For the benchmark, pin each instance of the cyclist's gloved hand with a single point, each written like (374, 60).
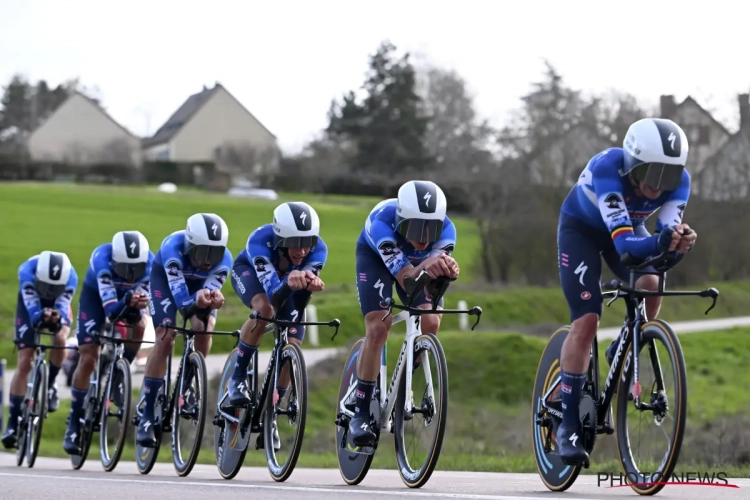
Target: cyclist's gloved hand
(665, 239)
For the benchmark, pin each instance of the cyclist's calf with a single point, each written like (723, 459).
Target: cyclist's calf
(203, 342)
(653, 304)
(21, 376)
(89, 355)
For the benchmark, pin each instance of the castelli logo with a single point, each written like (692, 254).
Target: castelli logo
(585, 295)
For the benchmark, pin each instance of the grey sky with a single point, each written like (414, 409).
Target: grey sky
(286, 60)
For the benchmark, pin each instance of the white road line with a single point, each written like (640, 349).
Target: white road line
(343, 489)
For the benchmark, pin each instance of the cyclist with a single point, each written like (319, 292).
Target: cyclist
(604, 215)
(47, 283)
(291, 251)
(401, 237)
(189, 270)
(116, 284)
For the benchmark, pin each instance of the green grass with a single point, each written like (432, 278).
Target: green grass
(491, 378)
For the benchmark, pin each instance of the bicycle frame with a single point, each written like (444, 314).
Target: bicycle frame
(636, 317)
(281, 339)
(387, 399)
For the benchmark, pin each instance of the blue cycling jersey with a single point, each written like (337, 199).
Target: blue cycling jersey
(179, 269)
(607, 202)
(260, 253)
(380, 235)
(32, 301)
(112, 288)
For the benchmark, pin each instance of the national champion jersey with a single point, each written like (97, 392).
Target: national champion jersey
(380, 235)
(31, 300)
(260, 254)
(101, 276)
(180, 270)
(606, 201)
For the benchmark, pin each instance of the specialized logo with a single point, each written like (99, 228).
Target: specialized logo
(379, 287)
(581, 269)
(573, 439)
(302, 217)
(426, 199)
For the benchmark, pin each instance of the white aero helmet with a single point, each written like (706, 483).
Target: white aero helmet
(130, 254)
(295, 225)
(52, 274)
(206, 237)
(420, 211)
(656, 152)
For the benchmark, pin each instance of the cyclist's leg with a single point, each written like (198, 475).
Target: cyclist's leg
(24, 337)
(250, 291)
(643, 281)
(374, 283)
(580, 264)
(203, 342)
(139, 329)
(293, 311)
(430, 323)
(90, 322)
(163, 311)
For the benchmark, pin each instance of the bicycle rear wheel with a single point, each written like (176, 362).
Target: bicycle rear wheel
(294, 412)
(119, 394)
(354, 462)
(658, 339)
(37, 414)
(230, 443)
(433, 413)
(190, 406)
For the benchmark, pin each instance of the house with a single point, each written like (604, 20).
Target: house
(213, 126)
(80, 132)
(705, 134)
(727, 173)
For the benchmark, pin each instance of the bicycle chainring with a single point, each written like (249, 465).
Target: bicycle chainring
(588, 410)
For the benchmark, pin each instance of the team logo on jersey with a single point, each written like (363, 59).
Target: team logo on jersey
(260, 264)
(29, 290)
(172, 269)
(105, 279)
(387, 248)
(681, 209)
(448, 248)
(221, 276)
(613, 201)
(316, 268)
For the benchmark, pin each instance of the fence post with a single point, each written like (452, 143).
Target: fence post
(2, 393)
(463, 319)
(311, 314)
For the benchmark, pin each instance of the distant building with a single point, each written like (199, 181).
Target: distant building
(80, 132)
(213, 126)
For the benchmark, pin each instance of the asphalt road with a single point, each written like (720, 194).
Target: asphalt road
(55, 477)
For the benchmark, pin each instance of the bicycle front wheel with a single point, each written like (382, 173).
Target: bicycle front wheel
(293, 411)
(116, 405)
(190, 406)
(430, 410)
(664, 395)
(37, 414)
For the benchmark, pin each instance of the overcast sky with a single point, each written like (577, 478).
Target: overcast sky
(285, 62)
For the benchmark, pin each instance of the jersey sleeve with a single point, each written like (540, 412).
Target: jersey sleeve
(104, 281)
(62, 303)
(671, 212)
(317, 258)
(447, 242)
(172, 261)
(218, 274)
(259, 255)
(26, 280)
(383, 240)
(608, 190)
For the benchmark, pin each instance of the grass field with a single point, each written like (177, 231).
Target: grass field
(77, 218)
(489, 419)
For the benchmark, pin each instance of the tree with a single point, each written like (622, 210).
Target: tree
(387, 127)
